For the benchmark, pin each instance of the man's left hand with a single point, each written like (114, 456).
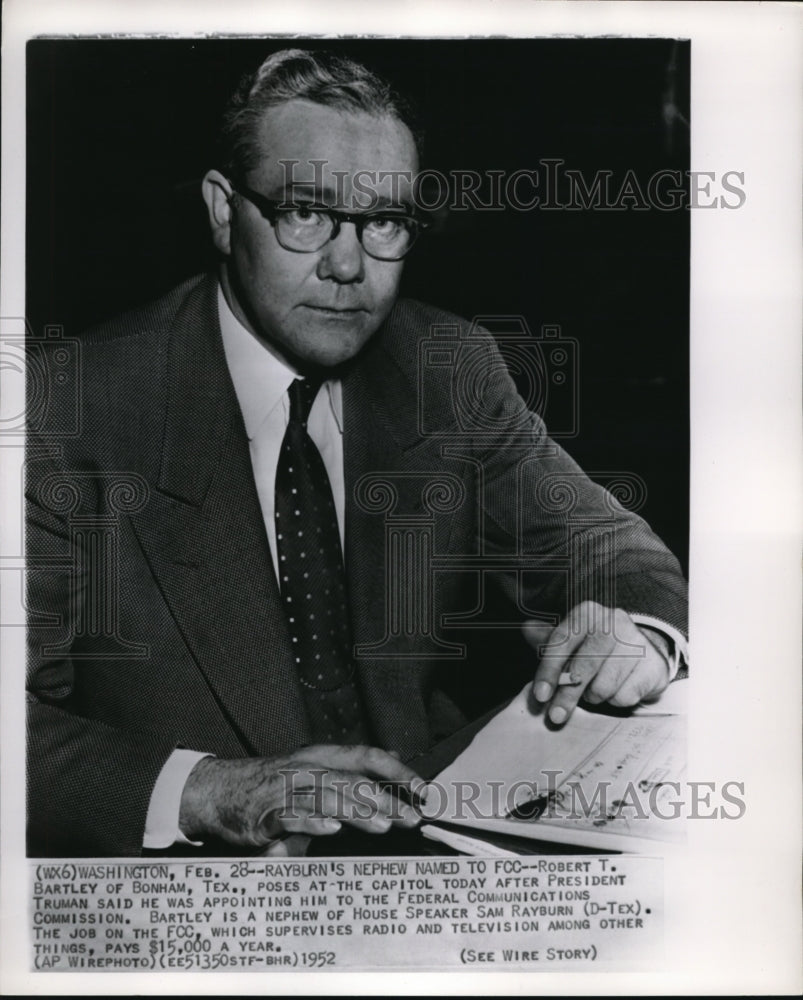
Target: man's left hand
(603, 657)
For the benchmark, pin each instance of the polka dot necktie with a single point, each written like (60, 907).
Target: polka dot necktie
(312, 580)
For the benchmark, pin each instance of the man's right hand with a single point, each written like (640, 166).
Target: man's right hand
(256, 802)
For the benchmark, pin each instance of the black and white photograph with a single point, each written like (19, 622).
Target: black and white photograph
(356, 503)
(461, 552)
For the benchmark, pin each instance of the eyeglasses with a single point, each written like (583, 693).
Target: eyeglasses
(305, 228)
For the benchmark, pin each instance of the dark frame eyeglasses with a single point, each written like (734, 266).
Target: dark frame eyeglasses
(279, 215)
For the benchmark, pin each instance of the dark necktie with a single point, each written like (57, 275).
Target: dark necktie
(312, 580)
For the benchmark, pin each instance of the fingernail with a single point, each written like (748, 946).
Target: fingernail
(409, 816)
(330, 825)
(558, 714)
(380, 822)
(543, 691)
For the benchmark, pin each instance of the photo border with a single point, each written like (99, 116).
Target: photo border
(732, 904)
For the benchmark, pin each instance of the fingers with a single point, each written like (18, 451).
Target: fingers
(554, 646)
(368, 761)
(602, 677)
(601, 653)
(579, 643)
(650, 677)
(310, 792)
(317, 800)
(613, 673)
(305, 812)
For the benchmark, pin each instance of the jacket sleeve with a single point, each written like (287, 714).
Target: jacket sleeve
(89, 783)
(576, 541)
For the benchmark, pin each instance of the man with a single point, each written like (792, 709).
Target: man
(213, 677)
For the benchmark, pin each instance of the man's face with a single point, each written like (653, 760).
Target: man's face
(317, 308)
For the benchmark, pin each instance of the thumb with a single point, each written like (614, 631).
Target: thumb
(270, 826)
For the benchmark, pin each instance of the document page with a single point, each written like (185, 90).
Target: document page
(603, 779)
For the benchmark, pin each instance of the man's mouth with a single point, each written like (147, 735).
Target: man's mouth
(337, 310)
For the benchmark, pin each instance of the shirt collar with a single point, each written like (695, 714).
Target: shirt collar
(261, 378)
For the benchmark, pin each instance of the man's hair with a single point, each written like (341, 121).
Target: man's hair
(291, 74)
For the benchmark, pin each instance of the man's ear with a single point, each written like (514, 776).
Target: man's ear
(216, 192)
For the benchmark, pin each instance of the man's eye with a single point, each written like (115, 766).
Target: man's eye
(304, 216)
(385, 225)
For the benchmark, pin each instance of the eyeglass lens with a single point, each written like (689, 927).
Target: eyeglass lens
(308, 229)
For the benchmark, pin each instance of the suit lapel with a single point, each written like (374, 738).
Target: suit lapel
(205, 540)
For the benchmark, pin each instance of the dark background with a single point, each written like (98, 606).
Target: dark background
(121, 131)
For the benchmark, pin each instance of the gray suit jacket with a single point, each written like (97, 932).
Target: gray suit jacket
(155, 613)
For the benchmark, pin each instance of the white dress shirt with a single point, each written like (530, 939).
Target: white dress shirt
(261, 380)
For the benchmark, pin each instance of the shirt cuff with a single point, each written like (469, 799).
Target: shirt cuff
(161, 823)
(679, 646)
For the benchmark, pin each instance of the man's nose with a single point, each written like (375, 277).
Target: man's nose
(342, 258)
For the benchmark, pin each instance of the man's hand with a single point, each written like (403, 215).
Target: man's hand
(281, 801)
(608, 658)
